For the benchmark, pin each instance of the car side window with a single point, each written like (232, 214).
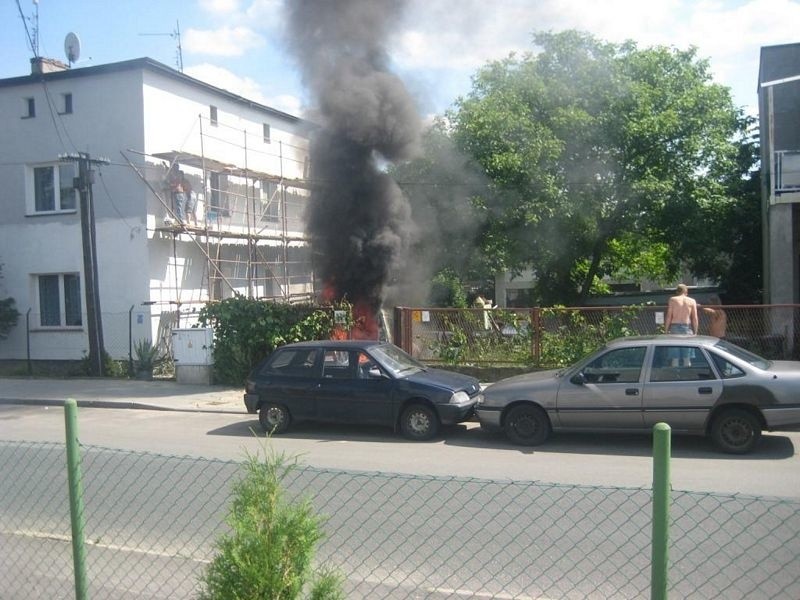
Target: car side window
(367, 367)
(622, 365)
(337, 365)
(296, 362)
(727, 369)
(679, 363)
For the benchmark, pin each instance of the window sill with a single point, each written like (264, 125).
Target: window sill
(57, 328)
(49, 213)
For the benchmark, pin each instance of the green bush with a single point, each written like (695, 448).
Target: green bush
(270, 550)
(246, 330)
(575, 336)
(8, 316)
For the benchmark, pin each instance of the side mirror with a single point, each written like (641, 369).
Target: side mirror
(578, 379)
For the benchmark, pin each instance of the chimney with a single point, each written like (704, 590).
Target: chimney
(41, 65)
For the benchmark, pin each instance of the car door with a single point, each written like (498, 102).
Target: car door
(607, 393)
(353, 389)
(681, 387)
(291, 378)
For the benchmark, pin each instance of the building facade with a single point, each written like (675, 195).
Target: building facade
(779, 119)
(157, 252)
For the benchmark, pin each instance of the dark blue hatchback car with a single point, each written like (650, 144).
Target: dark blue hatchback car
(366, 382)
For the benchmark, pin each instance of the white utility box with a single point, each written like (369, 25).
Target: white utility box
(192, 352)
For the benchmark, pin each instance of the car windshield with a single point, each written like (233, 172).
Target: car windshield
(395, 360)
(749, 357)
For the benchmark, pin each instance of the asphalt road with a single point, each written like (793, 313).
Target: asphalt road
(464, 451)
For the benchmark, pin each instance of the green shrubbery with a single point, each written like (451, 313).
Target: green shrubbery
(575, 336)
(247, 330)
(270, 550)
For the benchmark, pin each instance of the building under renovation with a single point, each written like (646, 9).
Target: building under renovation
(133, 194)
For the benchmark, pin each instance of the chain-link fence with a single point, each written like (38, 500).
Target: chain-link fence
(151, 522)
(549, 337)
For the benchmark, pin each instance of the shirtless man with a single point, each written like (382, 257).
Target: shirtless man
(718, 320)
(681, 312)
(681, 318)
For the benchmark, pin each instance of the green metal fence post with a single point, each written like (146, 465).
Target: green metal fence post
(661, 487)
(75, 497)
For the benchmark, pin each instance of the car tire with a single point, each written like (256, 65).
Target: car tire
(419, 422)
(274, 418)
(735, 431)
(527, 425)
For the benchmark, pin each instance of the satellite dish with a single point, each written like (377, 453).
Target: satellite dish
(72, 47)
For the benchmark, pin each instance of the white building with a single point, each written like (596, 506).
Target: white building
(245, 162)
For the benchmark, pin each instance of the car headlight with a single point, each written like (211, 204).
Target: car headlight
(460, 398)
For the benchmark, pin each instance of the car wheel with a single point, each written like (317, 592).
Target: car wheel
(274, 418)
(527, 425)
(419, 422)
(735, 431)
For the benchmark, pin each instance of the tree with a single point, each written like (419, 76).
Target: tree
(8, 313)
(725, 241)
(270, 549)
(442, 185)
(600, 156)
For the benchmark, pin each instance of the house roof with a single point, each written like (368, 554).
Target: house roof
(150, 65)
(779, 62)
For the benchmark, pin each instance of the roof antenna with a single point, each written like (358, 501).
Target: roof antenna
(175, 34)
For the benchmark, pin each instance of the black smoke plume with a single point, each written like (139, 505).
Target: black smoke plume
(358, 221)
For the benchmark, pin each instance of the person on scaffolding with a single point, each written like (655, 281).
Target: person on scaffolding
(189, 200)
(175, 182)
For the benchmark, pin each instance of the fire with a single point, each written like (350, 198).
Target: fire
(365, 319)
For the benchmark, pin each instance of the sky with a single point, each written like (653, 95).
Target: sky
(436, 47)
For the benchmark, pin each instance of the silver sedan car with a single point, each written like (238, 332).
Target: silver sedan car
(698, 385)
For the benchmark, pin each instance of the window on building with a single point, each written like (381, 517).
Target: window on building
(219, 204)
(266, 133)
(213, 115)
(270, 201)
(29, 108)
(60, 300)
(67, 106)
(52, 187)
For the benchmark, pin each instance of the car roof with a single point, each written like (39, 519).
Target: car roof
(672, 339)
(344, 344)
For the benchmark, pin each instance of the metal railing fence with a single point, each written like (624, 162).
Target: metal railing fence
(151, 522)
(554, 337)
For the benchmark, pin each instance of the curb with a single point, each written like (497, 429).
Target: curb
(111, 404)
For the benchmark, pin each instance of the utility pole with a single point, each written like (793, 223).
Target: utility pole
(83, 183)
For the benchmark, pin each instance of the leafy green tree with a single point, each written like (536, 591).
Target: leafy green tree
(725, 240)
(442, 185)
(8, 316)
(8, 313)
(270, 548)
(600, 156)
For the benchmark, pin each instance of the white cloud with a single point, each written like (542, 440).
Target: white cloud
(245, 87)
(435, 35)
(220, 6)
(226, 41)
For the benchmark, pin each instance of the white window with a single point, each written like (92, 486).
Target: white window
(59, 300)
(212, 113)
(266, 133)
(52, 188)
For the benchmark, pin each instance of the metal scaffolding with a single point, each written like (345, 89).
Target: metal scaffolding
(247, 224)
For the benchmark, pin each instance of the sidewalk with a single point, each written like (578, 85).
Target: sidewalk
(122, 393)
